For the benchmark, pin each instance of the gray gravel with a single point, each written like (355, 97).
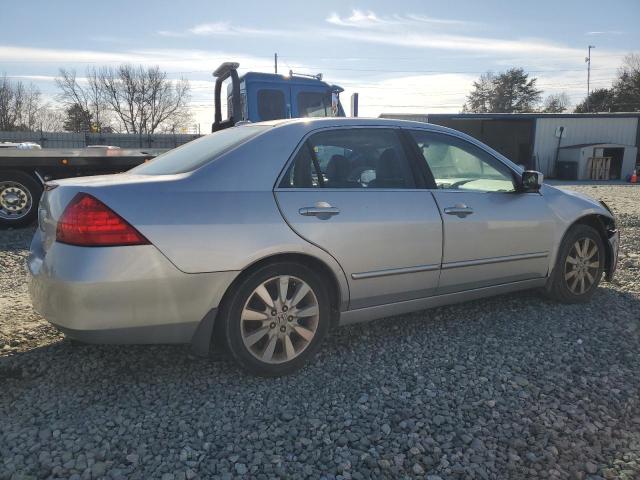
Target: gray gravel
(510, 387)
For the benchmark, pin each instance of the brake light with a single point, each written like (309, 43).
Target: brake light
(87, 222)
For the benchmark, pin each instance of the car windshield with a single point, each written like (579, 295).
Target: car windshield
(196, 153)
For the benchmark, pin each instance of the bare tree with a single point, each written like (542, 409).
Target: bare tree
(85, 97)
(167, 101)
(9, 102)
(140, 100)
(556, 103)
(143, 100)
(19, 105)
(50, 119)
(31, 107)
(178, 123)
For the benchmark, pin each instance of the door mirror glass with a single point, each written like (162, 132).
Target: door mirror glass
(531, 181)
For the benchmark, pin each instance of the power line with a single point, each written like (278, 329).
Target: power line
(347, 57)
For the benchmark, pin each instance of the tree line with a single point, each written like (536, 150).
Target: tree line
(127, 99)
(513, 91)
(22, 108)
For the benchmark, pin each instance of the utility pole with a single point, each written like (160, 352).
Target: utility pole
(588, 60)
(275, 59)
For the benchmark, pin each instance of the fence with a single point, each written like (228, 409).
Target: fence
(79, 140)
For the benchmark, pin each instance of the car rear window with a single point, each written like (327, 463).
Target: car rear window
(196, 153)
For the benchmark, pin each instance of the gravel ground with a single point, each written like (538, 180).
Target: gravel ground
(509, 387)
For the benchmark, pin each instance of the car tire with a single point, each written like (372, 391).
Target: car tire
(578, 267)
(20, 187)
(270, 333)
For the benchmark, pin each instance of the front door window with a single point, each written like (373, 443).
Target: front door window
(459, 165)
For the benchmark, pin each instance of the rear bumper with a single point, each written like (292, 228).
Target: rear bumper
(120, 294)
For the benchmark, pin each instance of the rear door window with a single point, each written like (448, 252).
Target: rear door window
(271, 104)
(360, 158)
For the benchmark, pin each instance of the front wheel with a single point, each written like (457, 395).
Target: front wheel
(579, 265)
(19, 197)
(276, 318)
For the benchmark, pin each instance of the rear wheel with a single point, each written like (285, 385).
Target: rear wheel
(276, 319)
(579, 265)
(19, 197)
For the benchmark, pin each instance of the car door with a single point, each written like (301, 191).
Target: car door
(353, 192)
(493, 233)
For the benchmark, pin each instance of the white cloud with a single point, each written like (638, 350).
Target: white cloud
(358, 18)
(413, 31)
(403, 37)
(607, 32)
(211, 28)
(368, 19)
(182, 60)
(439, 21)
(225, 29)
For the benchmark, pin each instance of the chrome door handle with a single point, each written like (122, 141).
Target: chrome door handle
(320, 209)
(460, 210)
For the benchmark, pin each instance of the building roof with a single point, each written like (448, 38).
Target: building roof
(511, 116)
(523, 116)
(593, 144)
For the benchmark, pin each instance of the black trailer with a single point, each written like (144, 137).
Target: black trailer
(23, 174)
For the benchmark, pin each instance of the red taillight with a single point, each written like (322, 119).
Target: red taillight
(88, 222)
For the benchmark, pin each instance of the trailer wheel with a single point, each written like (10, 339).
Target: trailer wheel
(19, 197)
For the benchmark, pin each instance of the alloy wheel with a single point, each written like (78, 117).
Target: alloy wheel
(279, 319)
(581, 266)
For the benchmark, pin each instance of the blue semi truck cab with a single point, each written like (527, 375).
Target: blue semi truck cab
(257, 97)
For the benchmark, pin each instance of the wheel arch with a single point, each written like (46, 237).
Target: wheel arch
(25, 171)
(602, 224)
(310, 261)
(209, 329)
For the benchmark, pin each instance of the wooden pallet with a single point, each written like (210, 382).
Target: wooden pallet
(598, 168)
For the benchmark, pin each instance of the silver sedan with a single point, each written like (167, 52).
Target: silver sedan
(266, 236)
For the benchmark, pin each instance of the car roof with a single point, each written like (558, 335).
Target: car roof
(324, 122)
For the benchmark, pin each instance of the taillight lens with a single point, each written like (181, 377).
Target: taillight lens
(87, 222)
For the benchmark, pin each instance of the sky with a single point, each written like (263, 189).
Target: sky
(404, 56)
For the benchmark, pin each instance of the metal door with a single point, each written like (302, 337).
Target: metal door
(493, 238)
(493, 234)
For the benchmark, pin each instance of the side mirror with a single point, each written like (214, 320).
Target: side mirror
(531, 181)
